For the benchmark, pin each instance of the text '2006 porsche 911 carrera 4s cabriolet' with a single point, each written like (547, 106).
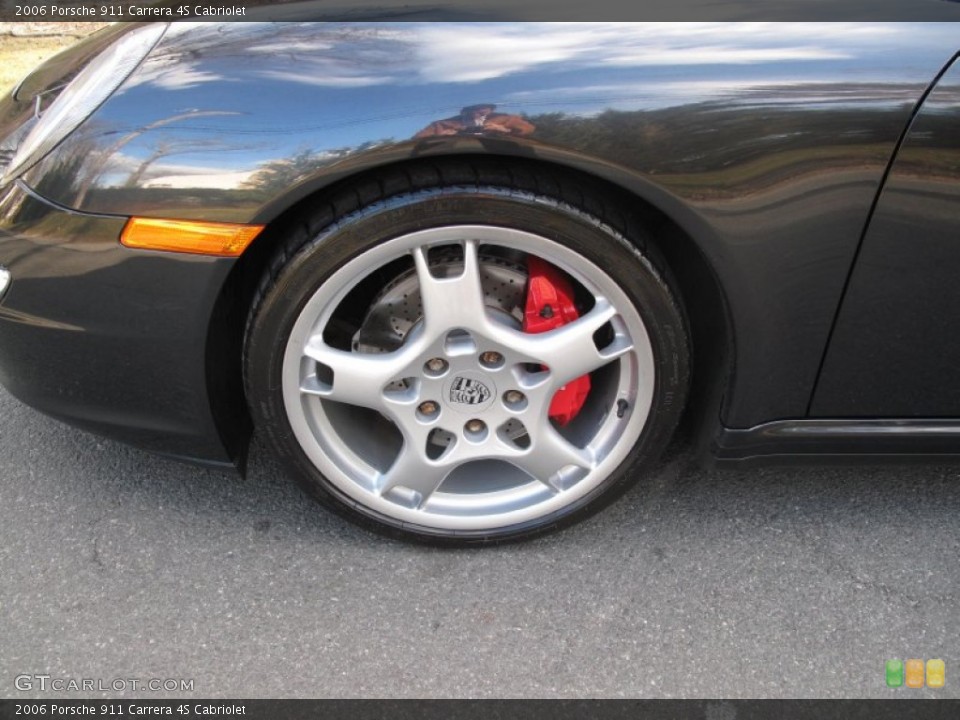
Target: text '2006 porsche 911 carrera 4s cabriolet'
(467, 280)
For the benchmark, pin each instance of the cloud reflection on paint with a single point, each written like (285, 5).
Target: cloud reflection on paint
(483, 52)
(342, 56)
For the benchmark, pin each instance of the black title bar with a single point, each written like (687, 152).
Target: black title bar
(487, 709)
(480, 10)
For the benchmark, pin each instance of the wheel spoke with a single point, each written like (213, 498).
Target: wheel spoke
(550, 456)
(358, 378)
(570, 351)
(415, 472)
(455, 302)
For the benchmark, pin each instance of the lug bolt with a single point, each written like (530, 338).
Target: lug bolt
(491, 358)
(428, 408)
(436, 365)
(475, 427)
(513, 397)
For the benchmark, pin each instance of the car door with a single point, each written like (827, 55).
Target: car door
(896, 342)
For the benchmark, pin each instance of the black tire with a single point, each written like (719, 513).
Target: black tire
(376, 210)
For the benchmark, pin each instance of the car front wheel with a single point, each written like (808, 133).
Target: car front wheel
(465, 363)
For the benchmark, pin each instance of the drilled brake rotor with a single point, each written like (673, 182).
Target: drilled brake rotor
(398, 307)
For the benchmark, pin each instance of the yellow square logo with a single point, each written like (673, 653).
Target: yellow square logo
(936, 673)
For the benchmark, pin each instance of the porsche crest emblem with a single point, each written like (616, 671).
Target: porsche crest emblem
(468, 391)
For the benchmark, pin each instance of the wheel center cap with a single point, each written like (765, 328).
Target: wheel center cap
(469, 392)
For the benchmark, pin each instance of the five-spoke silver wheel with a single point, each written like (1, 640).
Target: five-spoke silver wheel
(447, 425)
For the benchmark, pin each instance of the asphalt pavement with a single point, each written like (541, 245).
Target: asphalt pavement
(115, 564)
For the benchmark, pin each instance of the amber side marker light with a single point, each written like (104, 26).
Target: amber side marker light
(189, 236)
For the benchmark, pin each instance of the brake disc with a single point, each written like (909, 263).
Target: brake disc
(398, 307)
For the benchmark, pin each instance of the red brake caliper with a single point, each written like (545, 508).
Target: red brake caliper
(550, 305)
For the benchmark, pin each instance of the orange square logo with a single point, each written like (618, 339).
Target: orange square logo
(914, 673)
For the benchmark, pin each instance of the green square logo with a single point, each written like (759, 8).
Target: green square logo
(894, 673)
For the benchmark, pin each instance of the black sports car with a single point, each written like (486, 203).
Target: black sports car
(468, 280)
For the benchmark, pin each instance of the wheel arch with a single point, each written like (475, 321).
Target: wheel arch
(678, 234)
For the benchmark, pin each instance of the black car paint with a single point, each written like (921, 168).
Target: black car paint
(111, 339)
(894, 351)
(765, 175)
